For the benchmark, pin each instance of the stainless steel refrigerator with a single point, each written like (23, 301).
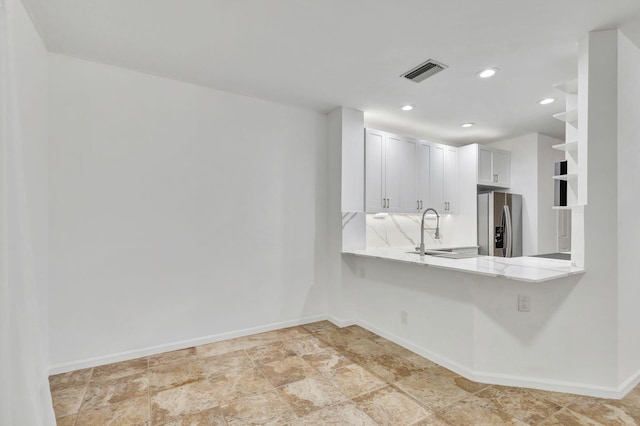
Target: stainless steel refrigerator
(500, 224)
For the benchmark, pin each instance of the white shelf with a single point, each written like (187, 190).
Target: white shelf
(570, 117)
(566, 177)
(562, 207)
(570, 87)
(567, 147)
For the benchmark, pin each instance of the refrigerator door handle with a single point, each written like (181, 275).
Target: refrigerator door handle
(506, 217)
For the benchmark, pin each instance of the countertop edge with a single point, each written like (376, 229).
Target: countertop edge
(548, 273)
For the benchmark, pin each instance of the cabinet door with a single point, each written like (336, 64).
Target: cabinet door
(393, 146)
(408, 181)
(502, 168)
(437, 179)
(374, 171)
(451, 180)
(485, 168)
(424, 175)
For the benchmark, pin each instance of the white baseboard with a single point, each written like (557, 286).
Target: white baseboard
(341, 322)
(476, 376)
(153, 350)
(628, 385)
(511, 380)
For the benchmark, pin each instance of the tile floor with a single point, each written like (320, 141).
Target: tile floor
(316, 374)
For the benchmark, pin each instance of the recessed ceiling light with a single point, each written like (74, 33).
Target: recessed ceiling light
(407, 107)
(486, 73)
(468, 125)
(546, 101)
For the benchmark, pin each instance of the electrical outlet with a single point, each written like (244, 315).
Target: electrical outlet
(524, 303)
(403, 317)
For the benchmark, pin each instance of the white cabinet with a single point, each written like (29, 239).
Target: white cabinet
(444, 179)
(423, 183)
(375, 195)
(390, 173)
(494, 167)
(404, 175)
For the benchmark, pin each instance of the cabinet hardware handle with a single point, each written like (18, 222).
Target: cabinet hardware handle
(388, 202)
(420, 204)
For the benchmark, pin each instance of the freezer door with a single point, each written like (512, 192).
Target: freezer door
(515, 207)
(499, 227)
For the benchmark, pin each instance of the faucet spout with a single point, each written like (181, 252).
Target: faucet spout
(437, 236)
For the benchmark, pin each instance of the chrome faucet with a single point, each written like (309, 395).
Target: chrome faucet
(437, 236)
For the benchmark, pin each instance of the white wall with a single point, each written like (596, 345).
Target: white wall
(32, 87)
(30, 397)
(547, 217)
(177, 212)
(628, 195)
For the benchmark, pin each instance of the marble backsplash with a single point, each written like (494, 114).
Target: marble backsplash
(398, 230)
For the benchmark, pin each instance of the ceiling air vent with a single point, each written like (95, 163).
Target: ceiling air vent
(424, 71)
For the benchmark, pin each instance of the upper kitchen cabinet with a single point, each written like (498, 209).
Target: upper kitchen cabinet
(494, 167)
(444, 179)
(404, 175)
(390, 173)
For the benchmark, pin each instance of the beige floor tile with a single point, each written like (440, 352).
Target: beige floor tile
(420, 361)
(519, 403)
(67, 400)
(338, 338)
(292, 333)
(327, 360)
(226, 364)
(390, 368)
(167, 376)
(468, 385)
(606, 412)
(71, 379)
(309, 395)
(210, 417)
(67, 420)
(388, 406)
(269, 353)
(361, 332)
(172, 404)
(477, 411)
(307, 345)
(434, 420)
(353, 380)
(115, 391)
(432, 390)
(259, 339)
(394, 348)
(339, 415)
(362, 349)
(220, 348)
(567, 417)
(315, 327)
(239, 384)
(132, 412)
(559, 398)
(259, 409)
(182, 355)
(287, 371)
(119, 370)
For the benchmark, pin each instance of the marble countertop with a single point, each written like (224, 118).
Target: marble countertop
(527, 269)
